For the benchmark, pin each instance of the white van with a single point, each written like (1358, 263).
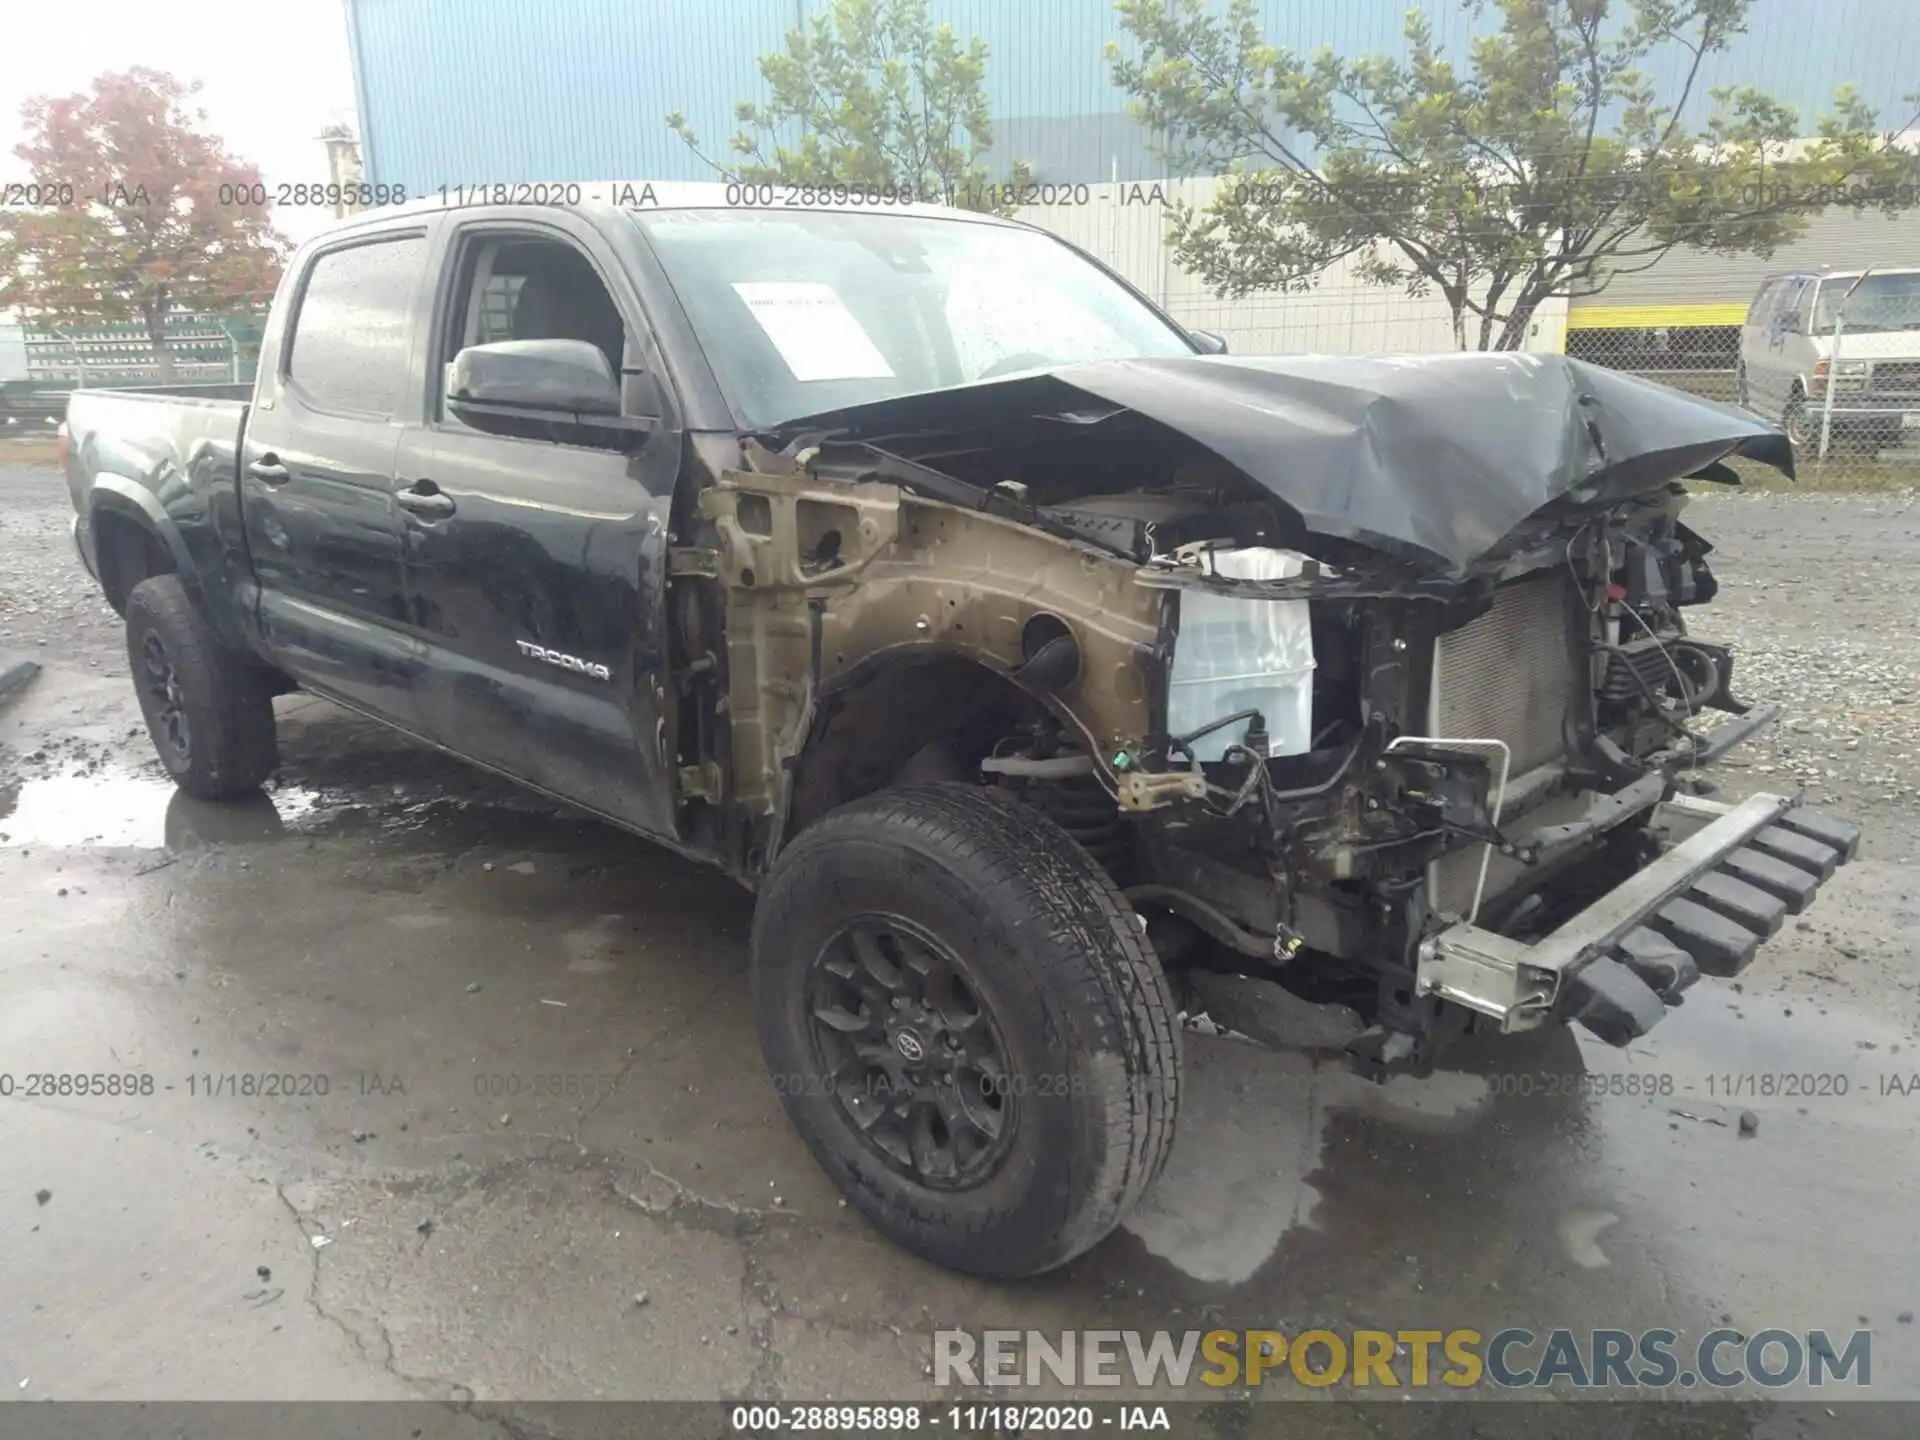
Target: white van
(1786, 355)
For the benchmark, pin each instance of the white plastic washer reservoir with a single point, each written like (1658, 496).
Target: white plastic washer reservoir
(1235, 653)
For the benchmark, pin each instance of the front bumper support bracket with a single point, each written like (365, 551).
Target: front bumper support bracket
(1732, 874)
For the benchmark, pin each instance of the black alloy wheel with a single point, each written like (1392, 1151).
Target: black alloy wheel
(208, 708)
(966, 1024)
(911, 1052)
(166, 706)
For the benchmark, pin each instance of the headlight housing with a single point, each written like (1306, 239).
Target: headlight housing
(1847, 375)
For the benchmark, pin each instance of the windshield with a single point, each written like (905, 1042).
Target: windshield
(1881, 302)
(804, 311)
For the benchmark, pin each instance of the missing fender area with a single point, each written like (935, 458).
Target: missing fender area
(826, 581)
(1463, 736)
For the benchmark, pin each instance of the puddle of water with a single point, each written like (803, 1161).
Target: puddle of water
(1236, 1181)
(1253, 1127)
(1580, 1233)
(140, 812)
(1803, 1214)
(145, 811)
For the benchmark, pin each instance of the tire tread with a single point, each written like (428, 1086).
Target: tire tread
(234, 743)
(1093, 952)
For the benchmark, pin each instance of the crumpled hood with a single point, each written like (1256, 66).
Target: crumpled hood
(1432, 459)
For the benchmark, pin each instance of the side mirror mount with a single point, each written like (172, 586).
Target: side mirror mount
(539, 389)
(1211, 342)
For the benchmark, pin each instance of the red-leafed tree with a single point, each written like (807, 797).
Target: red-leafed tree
(140, 211)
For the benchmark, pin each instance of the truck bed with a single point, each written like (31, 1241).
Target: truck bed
(166, 456)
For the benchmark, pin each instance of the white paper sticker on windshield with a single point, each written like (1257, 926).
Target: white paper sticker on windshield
(813, 330)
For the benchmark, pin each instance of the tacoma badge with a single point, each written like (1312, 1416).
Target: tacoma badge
(565, 662)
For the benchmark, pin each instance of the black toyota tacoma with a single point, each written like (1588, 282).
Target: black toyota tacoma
(1048, 673)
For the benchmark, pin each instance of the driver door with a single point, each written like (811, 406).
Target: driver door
(535, 569)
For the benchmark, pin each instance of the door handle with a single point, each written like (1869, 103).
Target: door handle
(424, 498)
(269, 471)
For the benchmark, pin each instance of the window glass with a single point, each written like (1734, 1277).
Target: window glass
(1789, 312)
(1884, 301)
(496, 308)
(803, 311)
(349, 346)
(522, 288)
(533, 290)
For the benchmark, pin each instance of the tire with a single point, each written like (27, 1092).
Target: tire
(1795, 420)
(210, 718)
(1052, 967)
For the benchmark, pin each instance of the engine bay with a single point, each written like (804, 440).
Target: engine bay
(1418, 651)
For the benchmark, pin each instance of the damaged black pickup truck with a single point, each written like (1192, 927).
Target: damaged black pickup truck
(1049, 674)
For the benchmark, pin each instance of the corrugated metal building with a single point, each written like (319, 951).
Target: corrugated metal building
(1341, 314)
(467, 92)
(1680, 319)
(464, 91)
(1694, 287)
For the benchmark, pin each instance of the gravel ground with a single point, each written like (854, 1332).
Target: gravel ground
(1820, 598)
(50, 608)
(390, 912)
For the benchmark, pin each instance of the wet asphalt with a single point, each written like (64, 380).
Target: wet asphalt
(455, 1095)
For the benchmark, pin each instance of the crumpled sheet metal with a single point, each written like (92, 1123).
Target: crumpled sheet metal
(1429, 459)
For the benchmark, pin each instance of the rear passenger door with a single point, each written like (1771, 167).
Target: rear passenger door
(536, 576)
(316, 473)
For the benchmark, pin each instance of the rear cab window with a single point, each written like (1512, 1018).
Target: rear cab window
(352, 329)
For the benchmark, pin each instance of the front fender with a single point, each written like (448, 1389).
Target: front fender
(824, 580)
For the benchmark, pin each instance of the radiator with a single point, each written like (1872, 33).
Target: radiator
(1506, 676)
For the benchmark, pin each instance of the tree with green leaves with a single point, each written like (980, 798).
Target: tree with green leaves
(872, 96)
(142, 212)
(1547, 163)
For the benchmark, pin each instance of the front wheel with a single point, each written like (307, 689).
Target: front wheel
(967, 1025)
(1800, 423)
(210, 719)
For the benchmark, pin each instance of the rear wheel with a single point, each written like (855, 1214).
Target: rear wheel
(210, 718)
(967, 1025)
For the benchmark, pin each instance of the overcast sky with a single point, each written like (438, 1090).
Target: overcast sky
(274, 72)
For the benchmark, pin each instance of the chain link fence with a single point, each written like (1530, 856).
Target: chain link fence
(1734, 328)
(1840, 373)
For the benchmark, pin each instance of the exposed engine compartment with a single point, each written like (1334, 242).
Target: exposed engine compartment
(1486, 583)
(1466, 754)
